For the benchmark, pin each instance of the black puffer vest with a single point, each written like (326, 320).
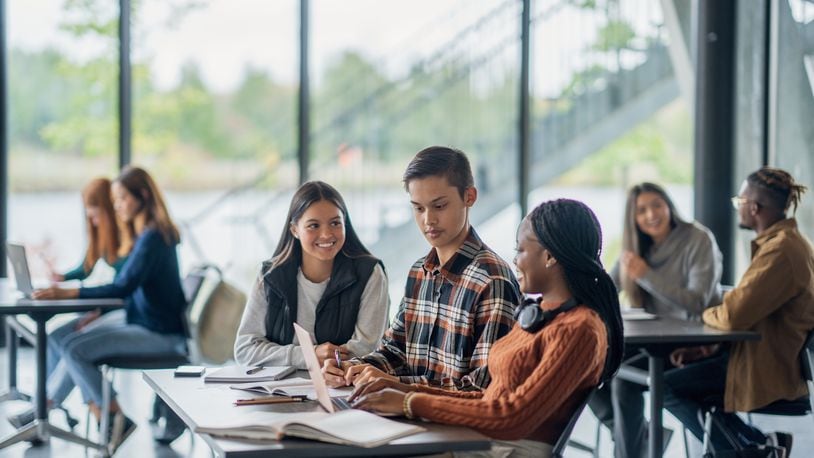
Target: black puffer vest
(336, 311)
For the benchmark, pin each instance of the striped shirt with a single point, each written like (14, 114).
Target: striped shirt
(449, 317)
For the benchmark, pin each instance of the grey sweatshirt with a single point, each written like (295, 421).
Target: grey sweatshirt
(685, 273)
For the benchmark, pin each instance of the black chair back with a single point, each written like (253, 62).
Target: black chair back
(562, 442)
(803, 405)
(807, 358)
(191, 284)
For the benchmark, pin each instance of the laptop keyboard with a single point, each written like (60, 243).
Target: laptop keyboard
(341, 403)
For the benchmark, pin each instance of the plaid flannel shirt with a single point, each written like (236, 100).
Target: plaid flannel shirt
(449, 317)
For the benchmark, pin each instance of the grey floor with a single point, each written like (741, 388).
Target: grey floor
(136, 399)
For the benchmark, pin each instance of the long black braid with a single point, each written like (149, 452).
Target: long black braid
(570, 231)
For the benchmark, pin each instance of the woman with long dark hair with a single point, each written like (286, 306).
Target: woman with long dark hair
(560, 348)
(320, 276)
(668, 267)
(151, 284)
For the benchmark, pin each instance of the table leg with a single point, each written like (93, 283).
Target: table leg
(11, 347)
(40, 429)
(42, 336)
(656, 368)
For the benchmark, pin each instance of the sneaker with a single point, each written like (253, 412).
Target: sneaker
(72, 422)
(120, 429)
(781, 441)
(22, 419)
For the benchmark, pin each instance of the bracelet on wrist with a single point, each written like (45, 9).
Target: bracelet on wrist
(408, 412)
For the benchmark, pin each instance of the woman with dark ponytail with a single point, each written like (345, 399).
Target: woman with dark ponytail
(562, 346)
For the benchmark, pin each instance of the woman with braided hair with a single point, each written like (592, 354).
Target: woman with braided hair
(773, 298)
(561, 347)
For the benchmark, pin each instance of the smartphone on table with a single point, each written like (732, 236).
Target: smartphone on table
(189, 371)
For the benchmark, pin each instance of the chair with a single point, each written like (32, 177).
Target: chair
(795, 407)
(564, 441)
(192, 286)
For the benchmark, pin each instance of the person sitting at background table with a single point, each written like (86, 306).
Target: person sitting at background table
(458, 299)
(322, 277)
(558, 350)
(150, 283)
(669, 267)
(773, 298)
(105, 243)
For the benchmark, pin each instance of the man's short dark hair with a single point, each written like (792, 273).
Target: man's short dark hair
(441, 161)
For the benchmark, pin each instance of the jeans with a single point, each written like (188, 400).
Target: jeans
(60, 384)
(81, 350)
(700, 385)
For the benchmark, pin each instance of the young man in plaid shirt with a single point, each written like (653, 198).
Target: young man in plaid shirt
(458, 300)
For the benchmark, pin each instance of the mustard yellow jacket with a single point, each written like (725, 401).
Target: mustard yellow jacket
(775, 298)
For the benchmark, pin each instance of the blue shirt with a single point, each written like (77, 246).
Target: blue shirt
(150, 284)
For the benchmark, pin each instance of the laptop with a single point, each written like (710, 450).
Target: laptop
(328, 403)
(22, 275)
(19, 263)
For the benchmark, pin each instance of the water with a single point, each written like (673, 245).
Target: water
(242, 232)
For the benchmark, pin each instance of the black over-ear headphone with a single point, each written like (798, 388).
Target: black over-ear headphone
(532, 318)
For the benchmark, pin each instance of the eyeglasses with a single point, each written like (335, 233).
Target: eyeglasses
(737, 201)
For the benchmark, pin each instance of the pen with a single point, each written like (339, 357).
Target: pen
(254, 370)
(338, 358)
(269, 400)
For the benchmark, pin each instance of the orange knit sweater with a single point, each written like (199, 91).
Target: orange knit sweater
(538, 379)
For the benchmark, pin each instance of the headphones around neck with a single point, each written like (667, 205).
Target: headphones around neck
(532, 318)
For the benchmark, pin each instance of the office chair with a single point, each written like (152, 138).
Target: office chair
(795, 407)
(192, 286)
(564, 441)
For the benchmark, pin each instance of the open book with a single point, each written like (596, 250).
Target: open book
(348, 427)
(273, 387)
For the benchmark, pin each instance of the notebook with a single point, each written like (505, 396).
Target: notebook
(237, 374)
(330, 404)
(350, 427)
(268, 388)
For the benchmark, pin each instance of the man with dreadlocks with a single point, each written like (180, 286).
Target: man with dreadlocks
(774, 297)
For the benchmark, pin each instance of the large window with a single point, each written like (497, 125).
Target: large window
(62, 67)
(608, 112)
(214, 120)
(391, 78)
(792, 98)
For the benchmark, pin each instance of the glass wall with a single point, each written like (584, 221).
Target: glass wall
(214, 120)
(792, 96)
(391, 78)
(781, 99)
(62, 71)
(607, 111)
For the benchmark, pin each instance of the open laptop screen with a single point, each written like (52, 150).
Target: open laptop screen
(19, 263)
